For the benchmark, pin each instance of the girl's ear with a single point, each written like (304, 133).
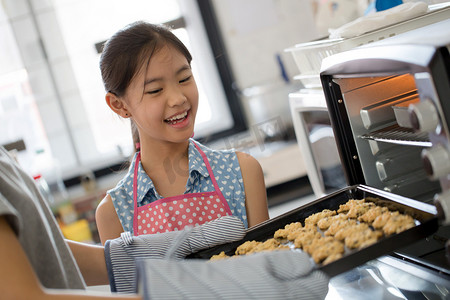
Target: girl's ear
(117, 105)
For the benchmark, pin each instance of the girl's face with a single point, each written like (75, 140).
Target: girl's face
(163, 98)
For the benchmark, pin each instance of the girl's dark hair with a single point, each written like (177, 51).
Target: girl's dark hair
(127, 50)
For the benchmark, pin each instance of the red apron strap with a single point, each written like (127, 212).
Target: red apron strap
(135, 213)
(208, 166)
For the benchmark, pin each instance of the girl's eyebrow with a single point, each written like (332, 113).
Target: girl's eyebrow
(184, 68)
(150, 80)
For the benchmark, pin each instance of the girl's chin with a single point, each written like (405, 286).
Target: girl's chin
(181, 134)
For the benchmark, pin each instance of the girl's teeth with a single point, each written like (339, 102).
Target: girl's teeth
(180, 116)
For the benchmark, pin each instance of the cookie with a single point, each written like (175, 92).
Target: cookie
(219, 256)
(254, 246)
(325, 223)
(364, 238)
(314, 218)
(292, 235)
(329, 248)
(342, 233)
(316, 243)
(306, 237)
(270, 244)
(370, 215)
(398, 223)
(287, 231)
(359, 209)
(247, 247)
(344, 208)
(339, 224)
(382, 219)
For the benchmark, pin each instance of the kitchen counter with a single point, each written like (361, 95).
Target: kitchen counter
(281, 160)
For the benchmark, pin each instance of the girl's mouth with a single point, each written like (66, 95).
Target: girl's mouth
(177, 118)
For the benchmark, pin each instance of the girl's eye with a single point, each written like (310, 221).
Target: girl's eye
(186, 79)
(154, 91)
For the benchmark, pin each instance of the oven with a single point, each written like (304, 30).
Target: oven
(389, 106)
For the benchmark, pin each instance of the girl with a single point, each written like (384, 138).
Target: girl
(173, 181)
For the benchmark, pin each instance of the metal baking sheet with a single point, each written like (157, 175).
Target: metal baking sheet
(424, 214)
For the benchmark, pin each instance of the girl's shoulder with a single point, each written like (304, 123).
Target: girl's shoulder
(124, 185)
(120, 186)
(233, 159)
(223, 154)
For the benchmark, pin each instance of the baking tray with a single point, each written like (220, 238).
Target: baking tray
(424, 214)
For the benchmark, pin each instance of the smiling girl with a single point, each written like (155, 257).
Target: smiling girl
(173, 181)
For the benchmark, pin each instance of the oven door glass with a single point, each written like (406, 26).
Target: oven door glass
(316, 140)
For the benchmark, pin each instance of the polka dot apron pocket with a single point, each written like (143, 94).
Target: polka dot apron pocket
(177, 213)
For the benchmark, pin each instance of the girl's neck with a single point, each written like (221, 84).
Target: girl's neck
(155, 155)
(167, 166)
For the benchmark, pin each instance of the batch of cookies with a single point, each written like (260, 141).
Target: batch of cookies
(326, 235)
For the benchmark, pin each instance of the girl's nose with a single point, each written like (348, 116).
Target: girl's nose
(176, 97)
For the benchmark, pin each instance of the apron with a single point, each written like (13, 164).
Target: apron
(181, 211)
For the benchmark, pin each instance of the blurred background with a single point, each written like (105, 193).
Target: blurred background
(53, 115)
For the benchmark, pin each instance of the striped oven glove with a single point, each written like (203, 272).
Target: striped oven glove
(121, 253)
(155, 261)
(266, 275)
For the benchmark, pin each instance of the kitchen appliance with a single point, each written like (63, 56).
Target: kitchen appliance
(308, 106)
(389, 106)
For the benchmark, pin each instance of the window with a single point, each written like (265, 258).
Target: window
(51, 94)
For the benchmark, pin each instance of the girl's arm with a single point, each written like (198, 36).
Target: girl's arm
(19, 281)
(91, 261)
(16, 274)
(108, 223)
(255, 189)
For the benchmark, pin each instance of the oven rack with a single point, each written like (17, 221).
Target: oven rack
(399, 135)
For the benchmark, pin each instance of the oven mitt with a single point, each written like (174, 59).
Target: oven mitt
(266, 275)
(121, 253)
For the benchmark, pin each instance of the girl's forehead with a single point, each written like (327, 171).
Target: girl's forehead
(149, 57)
(166, 54)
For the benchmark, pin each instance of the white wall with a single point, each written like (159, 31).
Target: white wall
(254, 31)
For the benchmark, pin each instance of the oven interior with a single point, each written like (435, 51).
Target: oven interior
(389, 150)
